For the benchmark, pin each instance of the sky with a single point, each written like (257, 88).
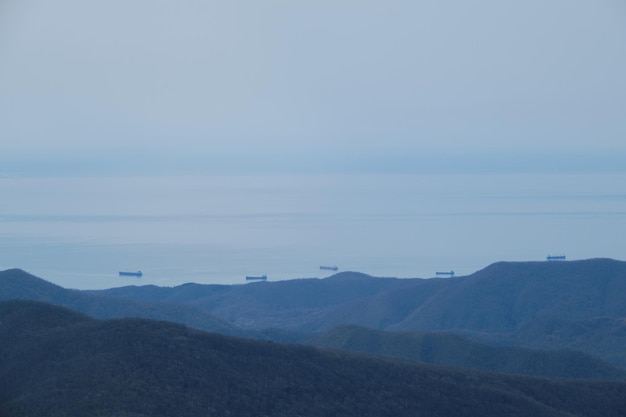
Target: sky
(162, 85)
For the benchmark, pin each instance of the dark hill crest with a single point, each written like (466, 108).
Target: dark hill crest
(24, 316)
(19, 284)
(138, 367)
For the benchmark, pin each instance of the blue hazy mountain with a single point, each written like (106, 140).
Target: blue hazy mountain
(576, 305)
(17, 284)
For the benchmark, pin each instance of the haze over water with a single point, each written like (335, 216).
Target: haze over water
(79, 232)
(206, 141)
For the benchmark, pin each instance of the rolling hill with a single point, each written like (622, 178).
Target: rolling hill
(17, 284)
(448, 349)
(550, 305)
(59, 363)
(506, 295)
(579, 305)
(500, 298)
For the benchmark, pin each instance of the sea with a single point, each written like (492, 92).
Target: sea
(218, 229)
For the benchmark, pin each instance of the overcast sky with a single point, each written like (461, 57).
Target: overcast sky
(195, 78)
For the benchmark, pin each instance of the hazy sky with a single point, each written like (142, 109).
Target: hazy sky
(113, 88)
(239, 81)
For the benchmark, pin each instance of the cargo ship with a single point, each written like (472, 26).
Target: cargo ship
(328, 268)
(257, 278)
(130, 274)
(451, 273)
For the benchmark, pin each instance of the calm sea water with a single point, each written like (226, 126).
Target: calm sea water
(79, 232)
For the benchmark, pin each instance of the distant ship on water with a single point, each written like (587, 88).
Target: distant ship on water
(328, 268)
(256, 278)
(450, 274)
(555, 257)
(130, 274)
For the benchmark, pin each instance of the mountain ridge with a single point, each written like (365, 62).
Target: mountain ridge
(18, 284)
(499, 304)
(577, 305)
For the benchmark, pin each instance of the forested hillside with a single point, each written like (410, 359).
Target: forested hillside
(448, 349)
(20, 285)
(59, 363)
(573, 305)
(578, 305)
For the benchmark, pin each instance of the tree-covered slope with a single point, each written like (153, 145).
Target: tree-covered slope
(507, 295)
(301, 305)
(20, 285)
(578, 305)
(57, 363)
(500, 298)
(448, 349)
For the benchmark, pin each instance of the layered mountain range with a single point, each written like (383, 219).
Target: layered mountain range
(576, 305)
(548, 319)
